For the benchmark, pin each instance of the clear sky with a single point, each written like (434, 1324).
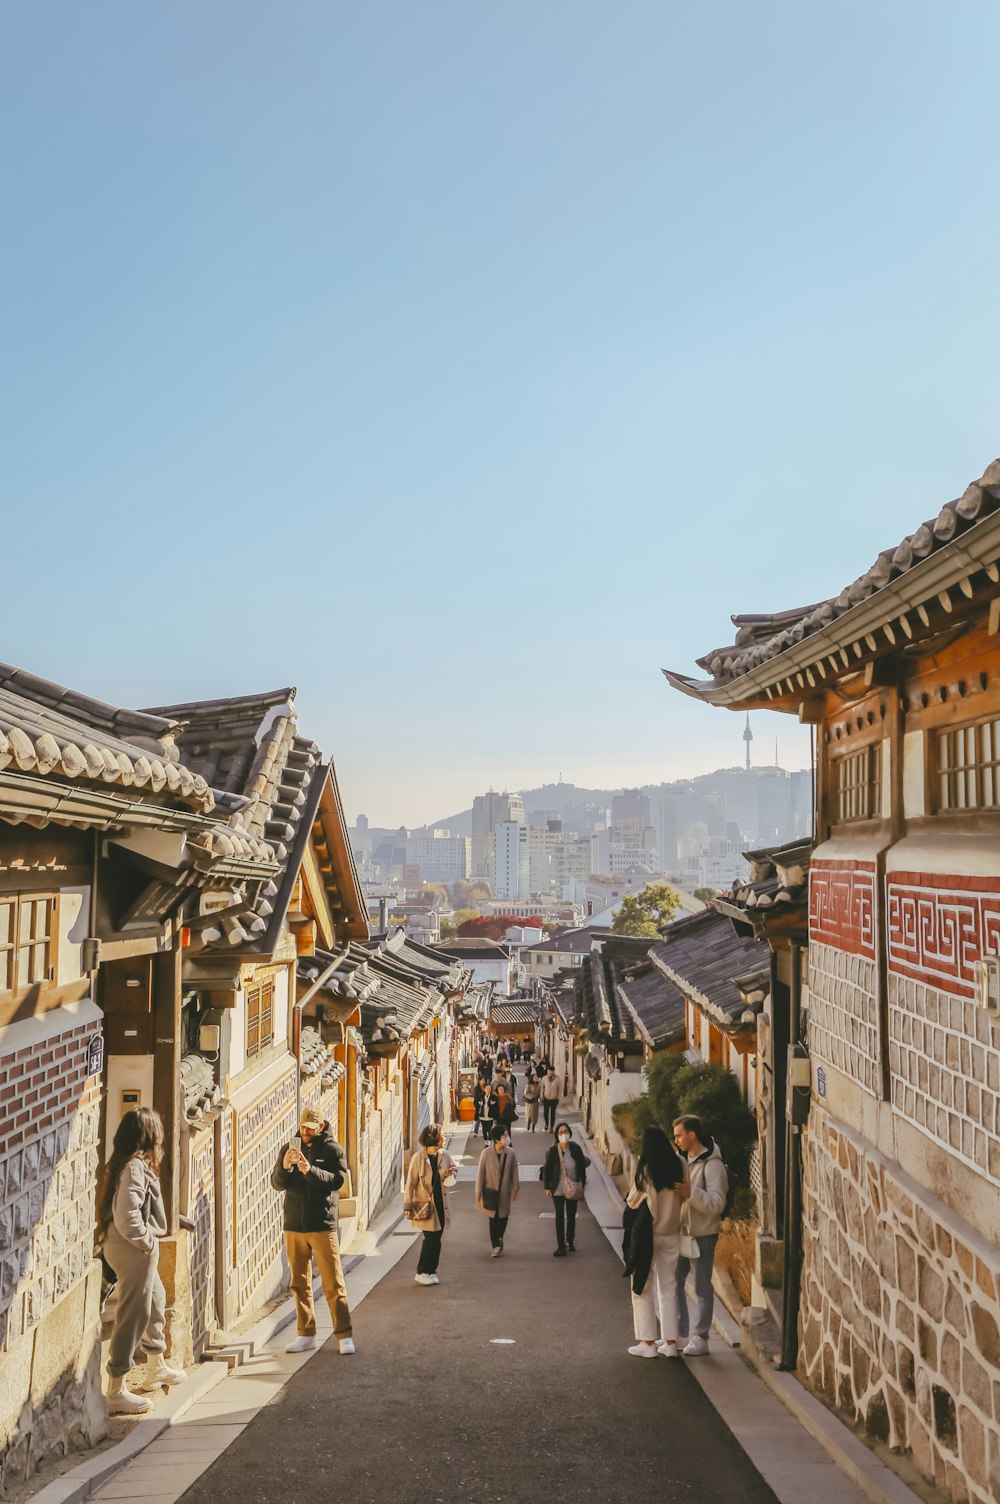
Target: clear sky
(465, 364)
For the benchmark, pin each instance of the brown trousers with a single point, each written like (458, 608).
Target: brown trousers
(302, 1248)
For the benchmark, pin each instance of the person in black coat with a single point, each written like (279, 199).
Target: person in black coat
(310, 1172)
(564, 1176)
(480, 1101)
(502, 1108)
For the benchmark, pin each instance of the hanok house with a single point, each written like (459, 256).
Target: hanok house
(385, 1007)
(239, 1013)
(107, 843)
(899, 1316)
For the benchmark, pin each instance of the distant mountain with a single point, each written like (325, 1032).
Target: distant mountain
(562, 801)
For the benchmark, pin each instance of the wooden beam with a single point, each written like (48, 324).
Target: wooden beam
(811, 711)
(167, 1051)
(994, 622)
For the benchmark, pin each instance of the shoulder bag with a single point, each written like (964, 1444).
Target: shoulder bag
(688, 1242)
(491, 1197)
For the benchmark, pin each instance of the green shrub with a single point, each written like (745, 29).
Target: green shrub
(675, 1087)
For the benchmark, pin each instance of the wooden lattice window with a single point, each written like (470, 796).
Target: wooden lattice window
(27, 940)
(260, 1017)
(858, 785)
(968, 766)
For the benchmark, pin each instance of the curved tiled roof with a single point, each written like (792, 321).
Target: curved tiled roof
(762, 637)
(37, 739)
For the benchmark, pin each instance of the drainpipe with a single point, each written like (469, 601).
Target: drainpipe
(795, 1112)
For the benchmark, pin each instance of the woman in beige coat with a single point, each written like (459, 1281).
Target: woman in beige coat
(430, 1175)
(497, 1187)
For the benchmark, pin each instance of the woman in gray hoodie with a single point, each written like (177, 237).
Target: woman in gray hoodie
(131, 1220)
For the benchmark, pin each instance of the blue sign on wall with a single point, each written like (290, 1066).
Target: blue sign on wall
(95, 1055)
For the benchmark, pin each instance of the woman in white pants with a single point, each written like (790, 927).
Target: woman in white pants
(658, 1172)
(131, 1220)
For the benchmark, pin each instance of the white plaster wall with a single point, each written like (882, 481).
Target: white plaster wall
(74, 923)
(913, 775)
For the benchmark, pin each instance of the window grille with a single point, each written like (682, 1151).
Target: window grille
(27, 940)
(857, 784)
(968, 766)
(260, 1020)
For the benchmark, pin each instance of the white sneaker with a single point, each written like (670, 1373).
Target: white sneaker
(158, 1371)
(301, 1345)
(121, 1400)
(347, 1345)
(696, 1347)
(669, 1350)
(432, 1279)
(644, 1350)
(425, 1279)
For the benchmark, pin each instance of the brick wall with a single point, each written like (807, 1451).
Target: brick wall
(900, 1318)
(843, 1014)
(50, 1400)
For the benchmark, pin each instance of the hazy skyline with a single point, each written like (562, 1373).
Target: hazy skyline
(464, 366)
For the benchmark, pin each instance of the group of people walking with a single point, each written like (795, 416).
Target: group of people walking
(673, 1216)
(495, 1100)
(432, 1173)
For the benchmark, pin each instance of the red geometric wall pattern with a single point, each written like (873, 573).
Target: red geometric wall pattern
(938, 927)
(842, 906)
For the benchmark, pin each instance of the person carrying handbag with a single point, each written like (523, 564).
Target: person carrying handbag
(497, 1187)
(654, 1286)
(564, 1176)
(430, 1175)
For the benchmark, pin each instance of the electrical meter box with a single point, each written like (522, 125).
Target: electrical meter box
(127, 998)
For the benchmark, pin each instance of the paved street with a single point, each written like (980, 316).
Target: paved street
(433, 1409)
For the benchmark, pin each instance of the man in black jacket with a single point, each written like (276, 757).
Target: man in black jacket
(311, 1176)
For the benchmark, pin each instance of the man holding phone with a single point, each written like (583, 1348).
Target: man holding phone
(310, 1172)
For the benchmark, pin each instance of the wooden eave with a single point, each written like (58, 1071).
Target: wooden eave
(335, 861)
(951, 585)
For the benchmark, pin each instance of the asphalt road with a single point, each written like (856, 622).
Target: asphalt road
(432, 1411)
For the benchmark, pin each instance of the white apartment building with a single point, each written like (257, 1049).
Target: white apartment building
(543, 842)
(623, 846)
(488, 811)
(570, 867)
(510, 861)
(441, 857)
(716, 865)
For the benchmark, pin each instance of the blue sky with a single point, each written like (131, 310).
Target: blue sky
(463, 365)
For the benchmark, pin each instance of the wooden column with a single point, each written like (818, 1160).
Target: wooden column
(168, 1047)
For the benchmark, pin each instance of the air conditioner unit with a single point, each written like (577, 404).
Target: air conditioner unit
(988, 984)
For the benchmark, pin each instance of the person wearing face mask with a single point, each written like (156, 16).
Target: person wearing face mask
(497, 1187)
(564, 1176)
(429, 1176)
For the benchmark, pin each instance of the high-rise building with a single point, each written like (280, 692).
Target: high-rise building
(488, 811)
(441, 857)
(510, 861)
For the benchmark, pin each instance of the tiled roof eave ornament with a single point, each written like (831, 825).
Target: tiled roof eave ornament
(871, 614)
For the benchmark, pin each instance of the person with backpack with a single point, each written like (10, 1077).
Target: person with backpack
(704, 1191)
(654, 1282)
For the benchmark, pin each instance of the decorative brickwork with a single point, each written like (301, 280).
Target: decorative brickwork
(261, 1129)
(900, 1318)
(938, 927)
(842, 906)
(50, 1399)
(945, 1059)
(48, 1175)
(201, 1208)
(843, 1014)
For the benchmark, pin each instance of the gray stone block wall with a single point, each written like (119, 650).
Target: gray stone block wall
(50, 1397)
(900, 1315)
(944, 1054)
(843, 1014)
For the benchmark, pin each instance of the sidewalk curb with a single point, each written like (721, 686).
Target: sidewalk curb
(77, 1485)
(862, 1466)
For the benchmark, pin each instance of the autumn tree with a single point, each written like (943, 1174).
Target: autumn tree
(644, 914)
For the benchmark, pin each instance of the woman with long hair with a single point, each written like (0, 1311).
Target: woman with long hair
(130, 1221)
(657, 1174)
(497, 1187)
(429, 1176)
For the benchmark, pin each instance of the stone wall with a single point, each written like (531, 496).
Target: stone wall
(900, 1317)
(50, 1396)
(265, 1120)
